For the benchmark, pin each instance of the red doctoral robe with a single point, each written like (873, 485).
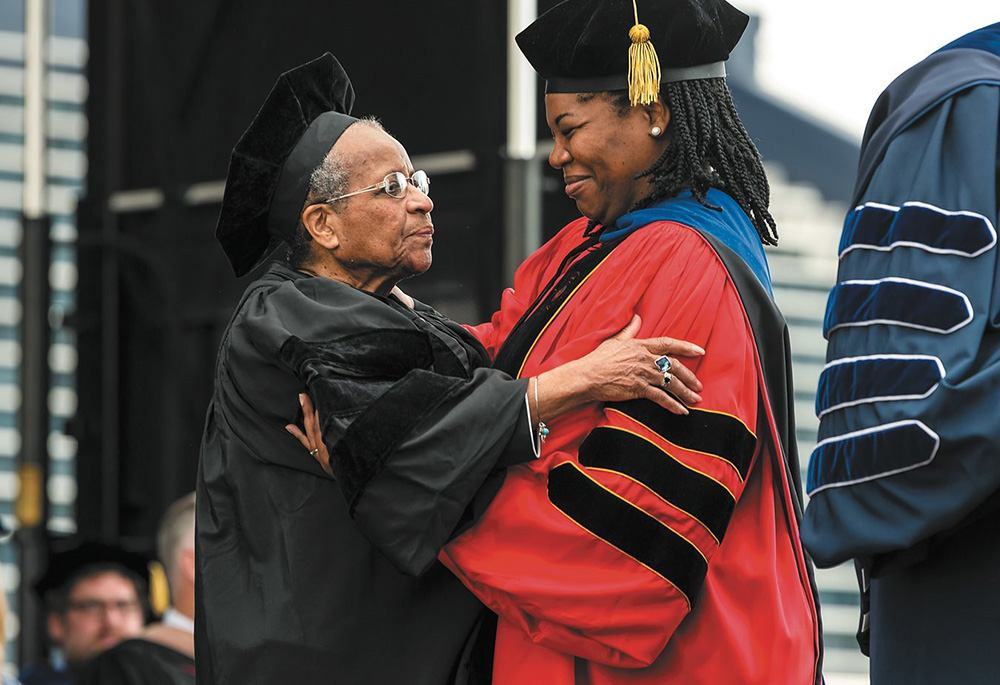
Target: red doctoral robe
(643, 547)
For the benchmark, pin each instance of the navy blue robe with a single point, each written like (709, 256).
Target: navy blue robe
(906, 474)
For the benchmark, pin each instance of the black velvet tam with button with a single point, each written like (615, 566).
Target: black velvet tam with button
(271, 164)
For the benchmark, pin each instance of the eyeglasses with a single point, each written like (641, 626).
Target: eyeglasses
(395, 185)
(95, 607)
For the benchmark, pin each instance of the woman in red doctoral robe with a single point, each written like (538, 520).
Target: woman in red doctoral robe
(642, 546)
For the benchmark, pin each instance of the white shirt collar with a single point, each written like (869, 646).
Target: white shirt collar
(176, 619)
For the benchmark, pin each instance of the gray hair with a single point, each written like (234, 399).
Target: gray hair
(328, 180)
(176, 533)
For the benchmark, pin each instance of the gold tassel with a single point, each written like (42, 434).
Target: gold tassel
(643, 65)
(159, 591)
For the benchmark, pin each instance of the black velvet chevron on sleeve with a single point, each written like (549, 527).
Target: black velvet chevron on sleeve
(384, 353)
(708, 432)
(372, 437)
(384, 380)
(684, 487)
(628, 529)
(363, 366)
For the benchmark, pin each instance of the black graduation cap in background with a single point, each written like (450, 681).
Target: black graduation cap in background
(582, 46)
(71, 556)
(268, 180)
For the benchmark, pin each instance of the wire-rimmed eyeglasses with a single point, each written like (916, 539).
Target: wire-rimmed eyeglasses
(395, 185)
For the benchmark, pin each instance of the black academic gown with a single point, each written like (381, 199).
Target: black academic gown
(303, 578)
(139, 662)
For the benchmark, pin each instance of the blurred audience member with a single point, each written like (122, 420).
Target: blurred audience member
(94, 596)
(163, 654)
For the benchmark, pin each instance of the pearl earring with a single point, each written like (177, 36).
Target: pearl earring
(656, 131)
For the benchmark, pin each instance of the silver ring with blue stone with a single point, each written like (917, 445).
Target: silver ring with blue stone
(663, 364)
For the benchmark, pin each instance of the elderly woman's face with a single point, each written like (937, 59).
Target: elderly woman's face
(600, 152)
(384, 239)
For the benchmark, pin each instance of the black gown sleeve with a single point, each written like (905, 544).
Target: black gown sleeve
(410, 461)
(413, 430)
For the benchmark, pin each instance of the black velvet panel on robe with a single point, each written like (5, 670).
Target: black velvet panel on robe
(306, 578)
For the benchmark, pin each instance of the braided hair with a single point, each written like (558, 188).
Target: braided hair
(709, 148)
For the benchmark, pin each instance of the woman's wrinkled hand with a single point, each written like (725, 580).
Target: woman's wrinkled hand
(312, 439)
(624, 368)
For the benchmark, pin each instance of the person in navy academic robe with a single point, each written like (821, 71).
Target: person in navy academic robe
(905, 478)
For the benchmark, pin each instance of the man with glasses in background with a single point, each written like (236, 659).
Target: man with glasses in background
(163, 653)
(93, 594)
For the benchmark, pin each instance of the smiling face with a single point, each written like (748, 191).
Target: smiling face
(600, 151)
(373, 240)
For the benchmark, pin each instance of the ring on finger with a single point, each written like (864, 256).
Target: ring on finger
(666, 379)
(314, 452)
(663, 364)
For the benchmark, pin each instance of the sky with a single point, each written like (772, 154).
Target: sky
(832, 60)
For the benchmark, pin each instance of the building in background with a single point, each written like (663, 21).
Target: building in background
(66, 163)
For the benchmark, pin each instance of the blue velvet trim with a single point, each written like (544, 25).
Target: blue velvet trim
(884, 378)
(875, 226)
(731, 225)
(986, 39)
(869, 454)
(898, 302)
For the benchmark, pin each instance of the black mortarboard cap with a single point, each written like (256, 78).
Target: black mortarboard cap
(582, 46)
(303, 116)
(70, 557)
